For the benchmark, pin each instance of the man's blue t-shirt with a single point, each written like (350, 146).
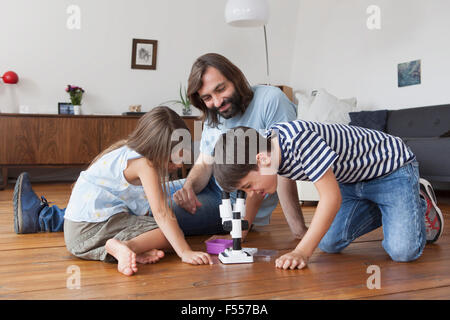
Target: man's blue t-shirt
(268, 106)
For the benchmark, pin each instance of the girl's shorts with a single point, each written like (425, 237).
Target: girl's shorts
(87, 240)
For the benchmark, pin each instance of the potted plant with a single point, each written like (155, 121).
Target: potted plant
(76, 94)
(184, 101)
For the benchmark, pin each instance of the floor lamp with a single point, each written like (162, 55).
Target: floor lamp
(249, 13)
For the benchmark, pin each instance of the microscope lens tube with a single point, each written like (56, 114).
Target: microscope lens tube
(240, 203)
(225, 209)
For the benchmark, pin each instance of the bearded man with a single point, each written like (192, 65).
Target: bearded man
(219, 89)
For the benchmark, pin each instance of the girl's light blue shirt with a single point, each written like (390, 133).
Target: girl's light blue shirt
(102, 190)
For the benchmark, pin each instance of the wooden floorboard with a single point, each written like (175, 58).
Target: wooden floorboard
(35, 266)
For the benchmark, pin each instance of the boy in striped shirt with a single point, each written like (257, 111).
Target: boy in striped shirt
(365, 179)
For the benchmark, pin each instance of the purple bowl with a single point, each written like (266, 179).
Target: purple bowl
(216, 246)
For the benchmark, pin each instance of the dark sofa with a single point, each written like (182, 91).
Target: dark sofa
(426, 130)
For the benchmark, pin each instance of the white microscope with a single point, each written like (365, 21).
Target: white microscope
(232, 220)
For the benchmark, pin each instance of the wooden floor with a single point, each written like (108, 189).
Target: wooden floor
(38, 266)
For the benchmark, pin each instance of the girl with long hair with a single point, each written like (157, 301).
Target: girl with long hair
(108, 217)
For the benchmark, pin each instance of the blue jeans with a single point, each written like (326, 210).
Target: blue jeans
(206, 220)
(51, 219)
(391, 201)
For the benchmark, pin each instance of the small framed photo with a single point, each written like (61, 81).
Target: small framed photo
(143, 54)
(65, 108)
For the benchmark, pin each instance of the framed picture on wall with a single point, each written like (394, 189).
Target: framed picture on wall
(65, 108)
(143, 55)
(409, 73)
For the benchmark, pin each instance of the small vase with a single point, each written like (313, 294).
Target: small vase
(77, 109)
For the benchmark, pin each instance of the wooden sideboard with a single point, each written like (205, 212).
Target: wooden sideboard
(44, 140)
(49, 140)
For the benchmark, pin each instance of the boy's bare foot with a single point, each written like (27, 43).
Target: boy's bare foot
(126, 258)
(151, 256)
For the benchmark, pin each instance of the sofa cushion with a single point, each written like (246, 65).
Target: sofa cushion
(432, 121)
(325, 107)
(433, 155)
(303, 103)
(369, 119)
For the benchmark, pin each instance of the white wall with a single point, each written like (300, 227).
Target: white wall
(335, 50)
(312, 44)
(35, 43)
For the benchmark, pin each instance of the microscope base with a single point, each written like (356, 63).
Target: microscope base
(235, 256)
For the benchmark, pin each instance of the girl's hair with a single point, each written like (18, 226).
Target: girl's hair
(152, 138)
(235, 155)
(229, 71)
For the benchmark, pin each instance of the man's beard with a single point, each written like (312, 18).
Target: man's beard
(234, 109)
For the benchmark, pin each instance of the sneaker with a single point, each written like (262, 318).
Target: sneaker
(434, 220)
(27, 206)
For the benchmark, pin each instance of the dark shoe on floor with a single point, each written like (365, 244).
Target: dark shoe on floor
(27, 206)
(434, 220)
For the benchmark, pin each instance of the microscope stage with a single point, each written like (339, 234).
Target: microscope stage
(235, 256)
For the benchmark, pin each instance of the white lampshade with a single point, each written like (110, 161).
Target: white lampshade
(247, 13)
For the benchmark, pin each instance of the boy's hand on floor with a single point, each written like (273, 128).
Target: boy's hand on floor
(292, 260)
(196, 257)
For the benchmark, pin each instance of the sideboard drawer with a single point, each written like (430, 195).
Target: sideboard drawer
(19, 140)
(68, 140)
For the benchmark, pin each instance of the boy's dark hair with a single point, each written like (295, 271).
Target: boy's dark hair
(229, 71)
(235, 155)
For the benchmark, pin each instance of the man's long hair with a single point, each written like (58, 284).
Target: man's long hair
(229, 71)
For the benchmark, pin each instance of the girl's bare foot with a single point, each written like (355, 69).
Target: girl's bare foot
(126, 258)
(151, 256)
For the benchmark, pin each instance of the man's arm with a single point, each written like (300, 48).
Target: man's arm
(196, 181)
(288, 195)
(200, 173)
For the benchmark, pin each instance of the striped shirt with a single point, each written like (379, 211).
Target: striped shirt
(355, 154)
